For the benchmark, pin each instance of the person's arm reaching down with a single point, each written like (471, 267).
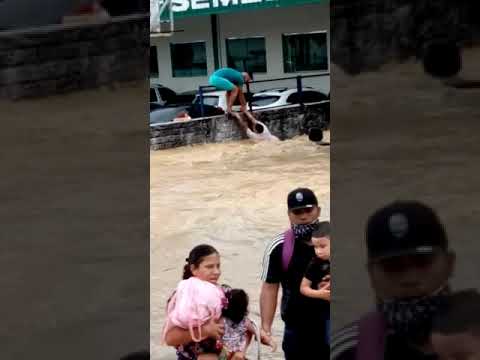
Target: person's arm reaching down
(268, 305)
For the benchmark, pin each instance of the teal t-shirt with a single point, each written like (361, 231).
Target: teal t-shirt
(230, 74)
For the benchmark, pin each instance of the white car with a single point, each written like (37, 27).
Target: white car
(265, 99)
(217, 99)
(285, 96)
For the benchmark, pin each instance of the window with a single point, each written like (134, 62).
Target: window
(307, 97)
(153, 95)
(247, 54)
(208, 100)
(154, 106)
(305, 52)
(167, 95)
(264, 100)
(189, 59)
(153, 62)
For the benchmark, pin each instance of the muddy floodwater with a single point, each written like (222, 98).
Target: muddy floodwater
(232, 196)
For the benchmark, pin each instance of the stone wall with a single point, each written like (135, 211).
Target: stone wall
(62, 58)
(284, 123)
(367, 34)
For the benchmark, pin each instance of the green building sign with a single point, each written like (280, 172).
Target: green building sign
(186, 8)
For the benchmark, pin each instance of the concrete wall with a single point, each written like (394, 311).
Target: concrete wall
(370, 33)
(61, 58)
(284, 123)
(270, 23)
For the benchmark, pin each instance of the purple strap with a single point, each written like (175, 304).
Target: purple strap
(287, 251)
(371, 337)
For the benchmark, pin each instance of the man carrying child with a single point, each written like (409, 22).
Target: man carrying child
(285, 262)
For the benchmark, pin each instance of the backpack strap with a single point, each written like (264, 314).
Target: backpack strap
(287, 249)
(371, 337)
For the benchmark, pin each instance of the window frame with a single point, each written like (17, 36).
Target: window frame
(153, 74)
(306, 97)
(171, 47)
(247, 38)
(284, 51)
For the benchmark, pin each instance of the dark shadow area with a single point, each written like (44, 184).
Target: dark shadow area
(75, 195)
(405, 116)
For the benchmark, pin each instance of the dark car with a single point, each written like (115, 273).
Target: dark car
(163, 95)
(165, 114)
(195, 111)
(155, 106)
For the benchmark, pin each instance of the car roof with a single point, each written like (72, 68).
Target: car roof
(267, 94)
(275, 93)
(159, 86)
(282, 90)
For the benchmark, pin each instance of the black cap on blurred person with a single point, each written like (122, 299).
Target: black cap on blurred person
(402, 228)
(301, 198)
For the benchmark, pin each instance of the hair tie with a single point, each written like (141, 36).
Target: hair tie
(187, 260)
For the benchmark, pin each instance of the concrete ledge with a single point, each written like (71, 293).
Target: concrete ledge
(285, 123)
(61, 58)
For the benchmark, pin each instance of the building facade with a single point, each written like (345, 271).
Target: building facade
(273, 39)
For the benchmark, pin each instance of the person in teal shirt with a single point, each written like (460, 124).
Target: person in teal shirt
(231, 81)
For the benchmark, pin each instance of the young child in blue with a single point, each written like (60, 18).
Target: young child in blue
(316, 282)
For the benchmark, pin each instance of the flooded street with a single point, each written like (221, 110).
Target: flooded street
(232, 196)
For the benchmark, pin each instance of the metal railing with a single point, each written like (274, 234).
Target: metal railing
(299, 82)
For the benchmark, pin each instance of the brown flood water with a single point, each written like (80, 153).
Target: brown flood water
(230, 195)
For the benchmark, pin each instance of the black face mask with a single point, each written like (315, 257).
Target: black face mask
(305, 230)
(411, 319)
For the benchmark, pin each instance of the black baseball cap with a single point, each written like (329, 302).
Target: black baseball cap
(301, 198)
(402, 228)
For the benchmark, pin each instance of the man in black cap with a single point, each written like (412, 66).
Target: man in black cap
(409, 265)
(285, 261)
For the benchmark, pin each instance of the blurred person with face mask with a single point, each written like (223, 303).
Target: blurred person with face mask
(409, 266)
